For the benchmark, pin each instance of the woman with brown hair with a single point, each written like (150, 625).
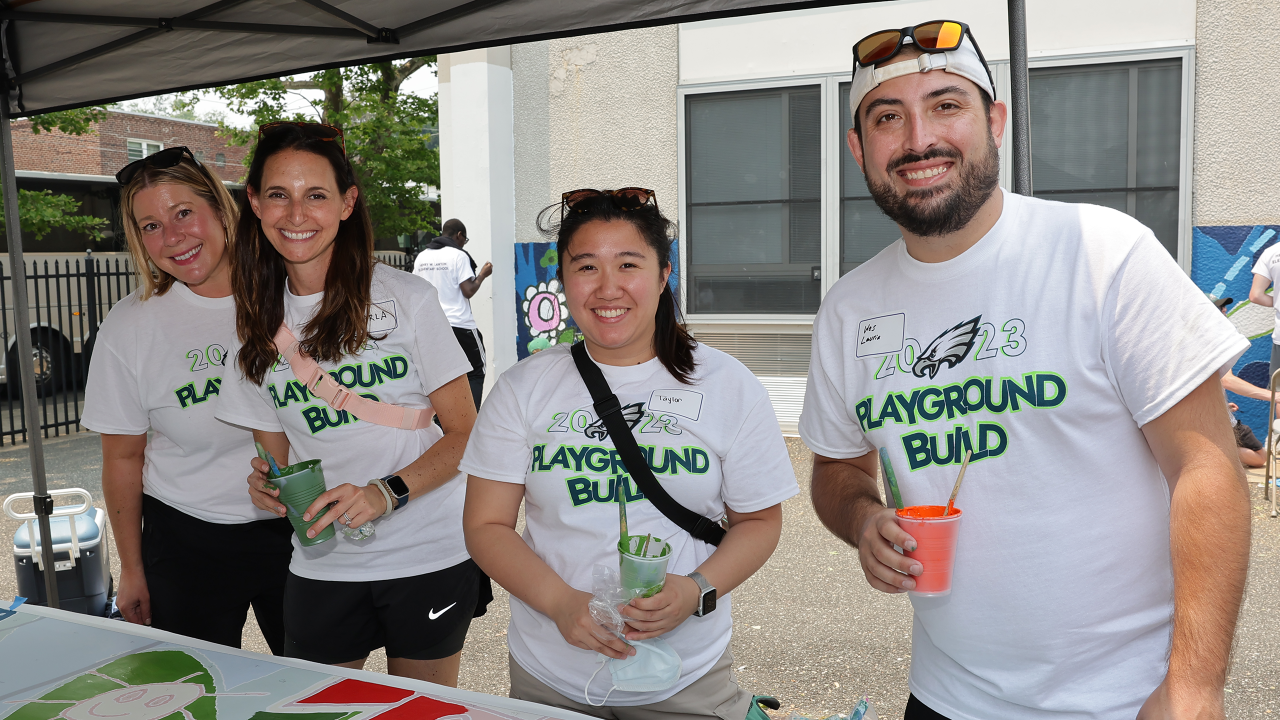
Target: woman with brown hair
(194, 551)
(304, 271)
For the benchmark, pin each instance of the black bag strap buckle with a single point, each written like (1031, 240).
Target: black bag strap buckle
(608, 406)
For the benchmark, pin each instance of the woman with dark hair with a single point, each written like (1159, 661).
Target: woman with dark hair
(373, 340)
(708, 431)
(195, 553)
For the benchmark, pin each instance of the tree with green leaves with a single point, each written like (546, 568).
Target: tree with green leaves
(387, 133)
(41, 211)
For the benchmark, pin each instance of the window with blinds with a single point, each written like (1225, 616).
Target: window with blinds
(138, 149)
(864, 230)
(1110, 135)
(754, 201)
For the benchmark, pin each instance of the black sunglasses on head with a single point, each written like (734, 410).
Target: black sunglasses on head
(628, 198)
(166, 158)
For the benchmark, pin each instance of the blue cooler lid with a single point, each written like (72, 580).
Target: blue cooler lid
(60, 529)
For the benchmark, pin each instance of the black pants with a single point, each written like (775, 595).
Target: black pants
(472, 343)
(917, 710)
(203, 576)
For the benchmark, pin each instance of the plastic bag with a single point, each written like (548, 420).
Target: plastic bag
(607, 595)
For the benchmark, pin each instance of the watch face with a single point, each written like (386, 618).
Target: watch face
(709, 601)
(397, 485)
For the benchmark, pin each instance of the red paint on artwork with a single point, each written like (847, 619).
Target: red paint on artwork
(421, 708)
(357, 692)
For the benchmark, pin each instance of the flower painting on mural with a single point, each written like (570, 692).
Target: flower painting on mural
(544, 316)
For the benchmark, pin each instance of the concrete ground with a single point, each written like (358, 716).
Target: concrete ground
(807, 628)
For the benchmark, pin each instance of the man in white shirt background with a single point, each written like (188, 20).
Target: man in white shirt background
(1266, 273)
(446, 265)
(1103, 547)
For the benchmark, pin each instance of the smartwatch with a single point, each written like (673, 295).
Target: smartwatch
(707, 600)
(398, 488)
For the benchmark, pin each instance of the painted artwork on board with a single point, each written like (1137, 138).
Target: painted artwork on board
(543, 315)
(1222, 261)
(72, 670)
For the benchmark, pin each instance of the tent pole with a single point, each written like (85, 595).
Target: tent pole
(22, 321)
(1019, 97)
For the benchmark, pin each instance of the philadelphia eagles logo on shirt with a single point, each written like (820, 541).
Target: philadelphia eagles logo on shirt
(951, 347)
(632, 414)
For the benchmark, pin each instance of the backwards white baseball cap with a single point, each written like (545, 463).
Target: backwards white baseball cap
(965, 60)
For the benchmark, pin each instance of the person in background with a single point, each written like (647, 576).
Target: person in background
(304, 261)
(1104, 542)
(1266, 274)
(1250, 448)
(451, 269)
(195, 553)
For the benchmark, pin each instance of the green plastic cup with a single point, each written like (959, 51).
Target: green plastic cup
(300, 484)
(643, 575)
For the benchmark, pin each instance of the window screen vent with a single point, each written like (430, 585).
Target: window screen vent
(769, 354)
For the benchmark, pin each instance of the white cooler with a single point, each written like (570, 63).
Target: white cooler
(82, 561)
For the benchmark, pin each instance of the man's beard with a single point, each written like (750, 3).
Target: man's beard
(934, 211)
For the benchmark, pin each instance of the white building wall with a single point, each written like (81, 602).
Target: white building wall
(819, 41)
(477, 183)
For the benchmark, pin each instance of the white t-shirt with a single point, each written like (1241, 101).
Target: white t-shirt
(1048, 344)
(446, 268)
(418, 355)
(158, 365)
(714, 443)
(1268, 266)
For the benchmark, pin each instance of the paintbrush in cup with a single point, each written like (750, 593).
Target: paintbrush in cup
(951, 504)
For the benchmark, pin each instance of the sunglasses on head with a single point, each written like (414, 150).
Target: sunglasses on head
(932, 37)
(166, 158)
(629, 198)
(316, 130)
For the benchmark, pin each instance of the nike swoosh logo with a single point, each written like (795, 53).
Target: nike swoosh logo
(432, 614)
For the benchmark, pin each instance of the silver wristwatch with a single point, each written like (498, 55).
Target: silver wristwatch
(707, 600)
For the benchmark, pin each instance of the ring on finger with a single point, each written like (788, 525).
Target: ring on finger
(346, 519)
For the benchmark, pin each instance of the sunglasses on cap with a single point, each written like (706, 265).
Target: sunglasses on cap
(936, 36)
(166, 158)
(629, 198)
(316, 130)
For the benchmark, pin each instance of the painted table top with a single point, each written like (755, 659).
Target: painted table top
(57, 664)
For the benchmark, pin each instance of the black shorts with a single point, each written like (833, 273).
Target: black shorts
(422, 617)
(203, 576)
(917, 710)
(1245, 437)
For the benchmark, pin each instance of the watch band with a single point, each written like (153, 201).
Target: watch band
(386, 495)
(707, 589)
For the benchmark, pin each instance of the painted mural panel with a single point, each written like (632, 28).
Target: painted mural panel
(543, 318)
(1222, 265)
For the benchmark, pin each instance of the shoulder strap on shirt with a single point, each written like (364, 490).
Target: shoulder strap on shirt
(609, 410)
(322, 385)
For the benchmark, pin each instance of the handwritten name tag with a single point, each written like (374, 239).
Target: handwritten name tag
(881, 335)
(382, 316)
(685, 403)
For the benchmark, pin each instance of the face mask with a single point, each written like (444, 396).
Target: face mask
(655, 666)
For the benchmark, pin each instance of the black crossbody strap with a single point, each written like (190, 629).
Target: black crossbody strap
(609, 410)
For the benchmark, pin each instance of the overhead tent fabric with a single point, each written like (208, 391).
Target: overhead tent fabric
(71, 53)
(64, 54)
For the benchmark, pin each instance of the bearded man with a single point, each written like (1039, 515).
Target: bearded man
(1104, 540)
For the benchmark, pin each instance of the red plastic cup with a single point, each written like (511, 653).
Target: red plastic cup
(935, 537)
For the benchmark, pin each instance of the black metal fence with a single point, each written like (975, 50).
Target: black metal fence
(68, 300)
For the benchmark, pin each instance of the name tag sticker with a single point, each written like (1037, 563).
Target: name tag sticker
(685, 403)
(382, 316)
(881, 335)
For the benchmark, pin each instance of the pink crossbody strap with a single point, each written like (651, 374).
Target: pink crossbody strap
(322, 385)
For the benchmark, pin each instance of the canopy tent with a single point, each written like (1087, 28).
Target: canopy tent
(63, 54)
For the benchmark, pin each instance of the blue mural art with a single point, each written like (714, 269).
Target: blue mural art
(1222, 262)
(543, 317)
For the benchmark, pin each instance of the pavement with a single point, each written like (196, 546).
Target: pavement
(807, 627)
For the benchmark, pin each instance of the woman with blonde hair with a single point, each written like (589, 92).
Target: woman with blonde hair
(195, 553)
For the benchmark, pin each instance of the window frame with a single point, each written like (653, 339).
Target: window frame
(144, 143)
(829, 88)
(1185, 53)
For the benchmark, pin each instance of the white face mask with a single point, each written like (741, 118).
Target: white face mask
(655, 666)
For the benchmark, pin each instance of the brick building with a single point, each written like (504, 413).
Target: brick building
(84, 166)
